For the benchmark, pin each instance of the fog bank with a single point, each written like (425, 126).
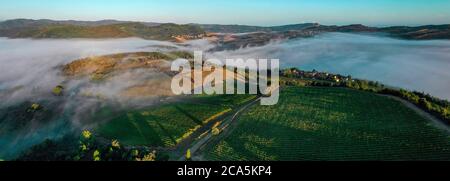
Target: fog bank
(415, 65)
(30, 69)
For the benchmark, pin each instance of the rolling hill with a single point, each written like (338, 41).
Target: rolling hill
(99, 29)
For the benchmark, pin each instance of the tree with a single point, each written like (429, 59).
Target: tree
(86, 134)
(425, 104)
(148, 157)
(58, 90)
(445, 112)
(188, 155)
(86, 144)
(135, 153)
(215, 131)
(34, 107)
(96, 155)
(115, 144)
(355, 85)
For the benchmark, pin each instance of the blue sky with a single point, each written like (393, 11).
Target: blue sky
(252, 12)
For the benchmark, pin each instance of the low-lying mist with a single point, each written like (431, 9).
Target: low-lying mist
(416, 65)
(30, 69)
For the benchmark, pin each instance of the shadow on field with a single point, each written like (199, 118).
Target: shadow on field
(196, 120)
(149, 131)
(167, 133)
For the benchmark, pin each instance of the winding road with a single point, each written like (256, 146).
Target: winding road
(199, 144)
(437, 122)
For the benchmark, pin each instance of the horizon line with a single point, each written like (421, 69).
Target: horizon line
(224, 24)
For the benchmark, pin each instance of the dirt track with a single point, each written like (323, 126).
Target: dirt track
(437, 122)
(224, 127)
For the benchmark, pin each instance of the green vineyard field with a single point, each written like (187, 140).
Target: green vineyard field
(312, 123)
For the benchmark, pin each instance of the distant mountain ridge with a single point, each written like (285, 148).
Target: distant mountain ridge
(266, 35)
(45, 28)
(247, 28)
(420, 32)
(20, 23)
(25, 28)
(405, 32)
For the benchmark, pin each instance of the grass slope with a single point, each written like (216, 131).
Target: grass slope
(332, 124)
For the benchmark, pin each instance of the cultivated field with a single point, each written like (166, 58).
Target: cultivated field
(311, 123)
(168, 124)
